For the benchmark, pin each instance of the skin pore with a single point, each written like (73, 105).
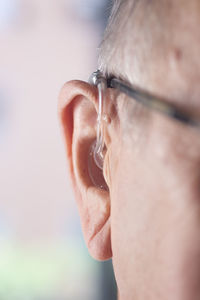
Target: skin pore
(149, 220)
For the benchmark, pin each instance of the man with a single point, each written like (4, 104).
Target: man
(148, 220)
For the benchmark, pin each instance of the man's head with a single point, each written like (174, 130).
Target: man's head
(148, 220)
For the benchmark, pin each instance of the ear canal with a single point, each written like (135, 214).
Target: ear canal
(94, 168)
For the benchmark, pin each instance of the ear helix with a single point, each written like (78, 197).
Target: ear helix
(97, 149)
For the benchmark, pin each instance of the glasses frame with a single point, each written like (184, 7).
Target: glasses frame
(153, 102)
(146, 99)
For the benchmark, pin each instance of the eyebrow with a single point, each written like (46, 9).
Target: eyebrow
(153, 102)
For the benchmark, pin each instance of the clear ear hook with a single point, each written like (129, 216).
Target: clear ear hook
(98, 80)
(96, 152)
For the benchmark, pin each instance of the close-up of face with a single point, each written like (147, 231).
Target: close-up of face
(148, 219)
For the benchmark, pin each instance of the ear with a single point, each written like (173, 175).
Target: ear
(78, 104)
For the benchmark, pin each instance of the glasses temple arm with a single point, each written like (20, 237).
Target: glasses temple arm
(153, 102)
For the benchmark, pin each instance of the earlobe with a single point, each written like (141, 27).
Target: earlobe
(78, 104)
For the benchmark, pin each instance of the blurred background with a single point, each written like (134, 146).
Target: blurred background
(44, 43)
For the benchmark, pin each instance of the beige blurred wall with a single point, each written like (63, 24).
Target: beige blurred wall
(47, 46)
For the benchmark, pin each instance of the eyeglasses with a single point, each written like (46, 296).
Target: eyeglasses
(151, 102)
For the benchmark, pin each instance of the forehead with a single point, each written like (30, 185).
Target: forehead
(161, 52)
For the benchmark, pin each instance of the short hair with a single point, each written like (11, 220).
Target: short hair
(115, 34)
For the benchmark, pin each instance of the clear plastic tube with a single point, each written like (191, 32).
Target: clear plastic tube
(96, 152)
(99, 145)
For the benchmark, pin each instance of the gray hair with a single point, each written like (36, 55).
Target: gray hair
(115, 35)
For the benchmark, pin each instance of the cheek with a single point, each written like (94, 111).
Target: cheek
(126, 208)
(155, 223)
